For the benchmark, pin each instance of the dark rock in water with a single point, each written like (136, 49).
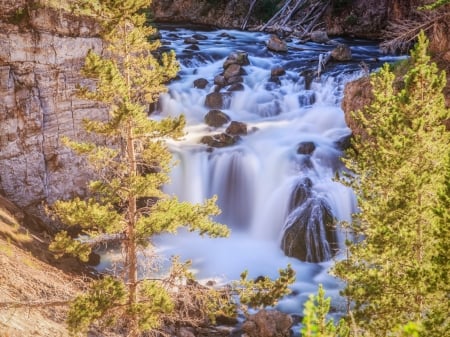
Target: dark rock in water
(190, 40)
(217, 100)
(200, 37)
(216, 118)
(236, 128)
(238, 57)
(341, 53)
(277, 71)
(306, 148)
(200, 83)
(309, 76)
(192, 47)
(309, 232)
(344, 142)
(307, 97)
(301, 192)
(268, 323)
(220, 80)
(235, 79)
(232, 70)
(236, 87)
(275, 79)
(319, 36)
(219, 140)
(276, 44)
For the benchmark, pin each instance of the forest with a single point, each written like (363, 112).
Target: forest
(393, 263)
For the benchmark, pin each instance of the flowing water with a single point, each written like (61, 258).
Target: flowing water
(259, 179)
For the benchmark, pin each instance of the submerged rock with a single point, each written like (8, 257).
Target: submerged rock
(306, 148)
(200, 83)
(309, 233)
(219, 140)
(236, 128)
(276, 44)
(216, 118)
(342, 52)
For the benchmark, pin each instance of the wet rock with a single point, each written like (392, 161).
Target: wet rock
(236, 128)
(309, 233)
(216, 118)
(276, 44)
(344, 142)
(319, 36)
(217, 100)
(267, 323)
(190, 40)
(186, 332)
(200, 37)
(236, 87)
(220, 80)
(342, 52)
(309, 76)
(232, 70)
(275, 79)
(277, 71)
(200, 83)
(238, 57)
(235, 79)
(306, 148)
(219, 140)
(192, 47)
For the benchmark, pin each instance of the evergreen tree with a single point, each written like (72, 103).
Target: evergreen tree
(315, 322)
(392, 272)
(125, 200)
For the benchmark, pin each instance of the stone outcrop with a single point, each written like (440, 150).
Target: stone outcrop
(267, 323)
(41, 53)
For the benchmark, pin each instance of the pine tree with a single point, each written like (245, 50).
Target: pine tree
(315, 322)
(392, 271)
(126, 202)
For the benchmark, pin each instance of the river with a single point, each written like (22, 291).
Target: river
(256, 178)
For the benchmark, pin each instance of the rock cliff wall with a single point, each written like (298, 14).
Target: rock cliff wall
(41, 53)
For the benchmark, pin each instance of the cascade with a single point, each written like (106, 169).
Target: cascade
(275, 183)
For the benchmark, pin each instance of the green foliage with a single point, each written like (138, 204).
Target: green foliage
(315, 323)
(265, 9)
(436, 4)
(392, 272)
(263, 291)
(95, 304)
(126, 200)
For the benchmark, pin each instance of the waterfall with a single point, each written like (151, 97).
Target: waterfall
(275, 185)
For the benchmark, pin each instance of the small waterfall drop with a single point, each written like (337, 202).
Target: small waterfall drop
(278, 176)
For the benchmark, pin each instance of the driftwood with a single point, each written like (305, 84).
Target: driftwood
(400, 35)
(283, 19)
(252, 4)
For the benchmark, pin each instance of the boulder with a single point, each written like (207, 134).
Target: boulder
(306, 148)
(200, 83)
(219, 140)
(235, 79)
(276, 44)
(238, 57)
(236, 128)
(319, 36)
(236, 87)
(232, 70)
(277, 71)
(216, 118)
(220, 80)
(200, 37)
(342, 52)
(267, 323)
(190, 40)
(192, 47)
(309, 233)
(217, 100)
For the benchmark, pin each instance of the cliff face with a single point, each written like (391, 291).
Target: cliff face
(41, 53)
